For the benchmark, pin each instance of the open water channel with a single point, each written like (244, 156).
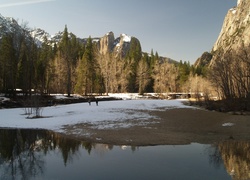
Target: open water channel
(39, 154)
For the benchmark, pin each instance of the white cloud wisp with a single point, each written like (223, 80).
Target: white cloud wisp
(24, 3)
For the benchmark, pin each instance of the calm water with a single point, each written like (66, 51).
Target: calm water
(33, 154)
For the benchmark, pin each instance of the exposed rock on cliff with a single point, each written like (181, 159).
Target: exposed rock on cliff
(8, 25)
(119, 46)
(107, 43)
(122, 45)
(236, 28)
(204, 60)
(230, 65)
(234, 35)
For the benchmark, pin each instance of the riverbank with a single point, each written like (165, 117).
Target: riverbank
(172, 126)
(133, 122)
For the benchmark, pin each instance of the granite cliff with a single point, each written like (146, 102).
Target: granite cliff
(236, 28)
(120, 46)
(234, 35)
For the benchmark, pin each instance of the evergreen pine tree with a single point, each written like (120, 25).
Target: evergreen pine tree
(88, 73)
(134, 56)
(8, 65)
(65, 55)
(23, 69)
(184, 71)
(43, 66)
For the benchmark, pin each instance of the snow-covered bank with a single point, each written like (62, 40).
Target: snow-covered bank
(58, 116)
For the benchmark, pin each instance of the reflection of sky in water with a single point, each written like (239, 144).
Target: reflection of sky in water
(156, 162)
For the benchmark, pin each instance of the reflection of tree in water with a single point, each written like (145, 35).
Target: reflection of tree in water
(22, 151)
(215, 156)
(70, 147)
(19, 154)
(236, 157)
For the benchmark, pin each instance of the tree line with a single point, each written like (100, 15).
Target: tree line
(71, 66)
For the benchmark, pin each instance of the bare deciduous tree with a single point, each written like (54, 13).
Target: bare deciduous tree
(142, 76)
(165, 76)
(231, 74)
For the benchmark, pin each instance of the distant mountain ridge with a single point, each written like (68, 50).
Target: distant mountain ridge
(8, 25)
(107, 44)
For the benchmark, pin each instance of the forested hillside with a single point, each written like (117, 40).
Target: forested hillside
(71, 65)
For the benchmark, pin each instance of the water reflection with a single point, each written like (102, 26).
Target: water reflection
(22, 151)
(235, 156)
(31, 154)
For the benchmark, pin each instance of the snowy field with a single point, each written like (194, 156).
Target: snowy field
(106, 113)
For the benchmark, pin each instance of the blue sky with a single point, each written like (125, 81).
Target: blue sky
(179, 29)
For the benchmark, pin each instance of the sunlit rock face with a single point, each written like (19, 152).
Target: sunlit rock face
(236, 28)
(107, 43)
(119, 46)
(234, 35)
(238, 2)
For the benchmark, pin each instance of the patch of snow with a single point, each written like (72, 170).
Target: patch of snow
(64, 96)
(2, 99)
(233, 10)
(109, 114)
(126, 38)
(227, 124)
(238, 2)
(109, 33)
(95, 40)
(125, 96)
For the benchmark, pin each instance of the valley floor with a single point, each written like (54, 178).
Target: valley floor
(171, 127)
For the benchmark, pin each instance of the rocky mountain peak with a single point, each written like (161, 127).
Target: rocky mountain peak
(39, 35)
(8, 25)
(122, 45)
(107, 43)
(119, 46)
